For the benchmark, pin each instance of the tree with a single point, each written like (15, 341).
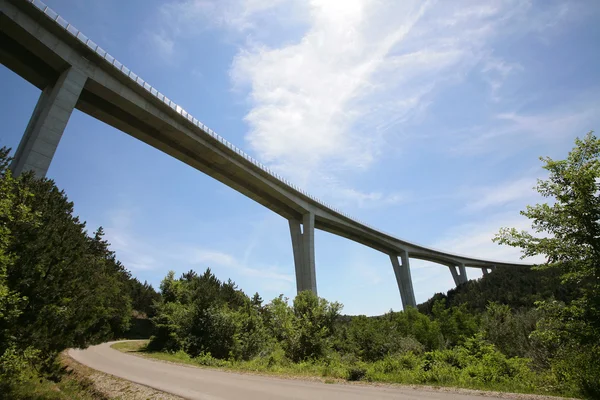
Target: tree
(59, 287)
(314, 325)
(567, 233)
(200, 314)
(13, 211)
(456, 324)
(74, 287)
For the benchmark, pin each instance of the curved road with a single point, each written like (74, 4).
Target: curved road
(206, 384)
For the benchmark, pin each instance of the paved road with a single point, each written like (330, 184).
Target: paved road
(205, 384)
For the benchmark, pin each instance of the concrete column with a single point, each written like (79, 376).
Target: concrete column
(404, 280)
(487, 270)
(47, 123)
(303, 244)
(460, 275)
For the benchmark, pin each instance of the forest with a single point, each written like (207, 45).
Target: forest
(516, 329)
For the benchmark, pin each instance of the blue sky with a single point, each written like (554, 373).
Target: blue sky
(424, 119)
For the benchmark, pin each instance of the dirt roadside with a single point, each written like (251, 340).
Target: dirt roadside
(107, 386)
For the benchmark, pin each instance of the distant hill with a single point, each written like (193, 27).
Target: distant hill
(517, 287)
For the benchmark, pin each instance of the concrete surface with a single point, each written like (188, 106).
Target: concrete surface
(303, 246)
(404, 279)
(205, 384)
(459, 274)
(47, 123)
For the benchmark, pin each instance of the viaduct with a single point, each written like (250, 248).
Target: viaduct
(74, 72)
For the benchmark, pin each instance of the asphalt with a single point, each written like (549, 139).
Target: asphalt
(205, 384)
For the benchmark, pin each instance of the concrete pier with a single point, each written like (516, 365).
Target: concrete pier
(404, 279)
(47, 124)
(303, 244)
(459, 273)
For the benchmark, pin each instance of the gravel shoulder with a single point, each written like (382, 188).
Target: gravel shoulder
(111, 387)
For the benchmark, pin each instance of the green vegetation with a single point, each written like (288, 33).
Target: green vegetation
(74, 384)
(570, 240)
(520, 330)
(515, 330)
(59, 287)
(452, 347)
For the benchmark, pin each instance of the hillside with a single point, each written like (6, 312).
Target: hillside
(518, 288)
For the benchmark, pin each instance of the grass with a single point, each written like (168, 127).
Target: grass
(303, 369)
(133, 346)
(73, 385)
(392, 371)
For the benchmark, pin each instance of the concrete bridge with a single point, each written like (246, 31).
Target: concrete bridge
(74, 72)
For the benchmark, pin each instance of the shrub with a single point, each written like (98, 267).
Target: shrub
(208, 360)
(356, 373)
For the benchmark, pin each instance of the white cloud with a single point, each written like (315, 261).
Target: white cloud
(552, 124)
(137, 254)
(161, 43)
(370, 199)
(502, 194)
(495, 72)
(361, 67)
(121, 218)
(573, 118)
(206, 258)
(333, 94)
(133, 253)
(183, 19)
(320, 99)
(475, 238)
(360, 74)
(348, 197)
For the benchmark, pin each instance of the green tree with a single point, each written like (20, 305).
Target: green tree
(200, 314)
(71, 285)
(411, 323)
(509, 330)
(567, 234)
(314, 325)
(13, 211)
(280, 320)
(455, 323)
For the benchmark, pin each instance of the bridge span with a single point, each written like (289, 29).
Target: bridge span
(74, 72)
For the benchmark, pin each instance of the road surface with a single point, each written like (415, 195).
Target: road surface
(205, 384)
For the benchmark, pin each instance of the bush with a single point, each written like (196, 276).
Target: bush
(408, 344)
(509, 331)
(356, 373)
(208, 360)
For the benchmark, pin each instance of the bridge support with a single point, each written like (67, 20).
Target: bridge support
(47, 123)
(303, 244)
(486, 271)
(402, 272)
(460, 275)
